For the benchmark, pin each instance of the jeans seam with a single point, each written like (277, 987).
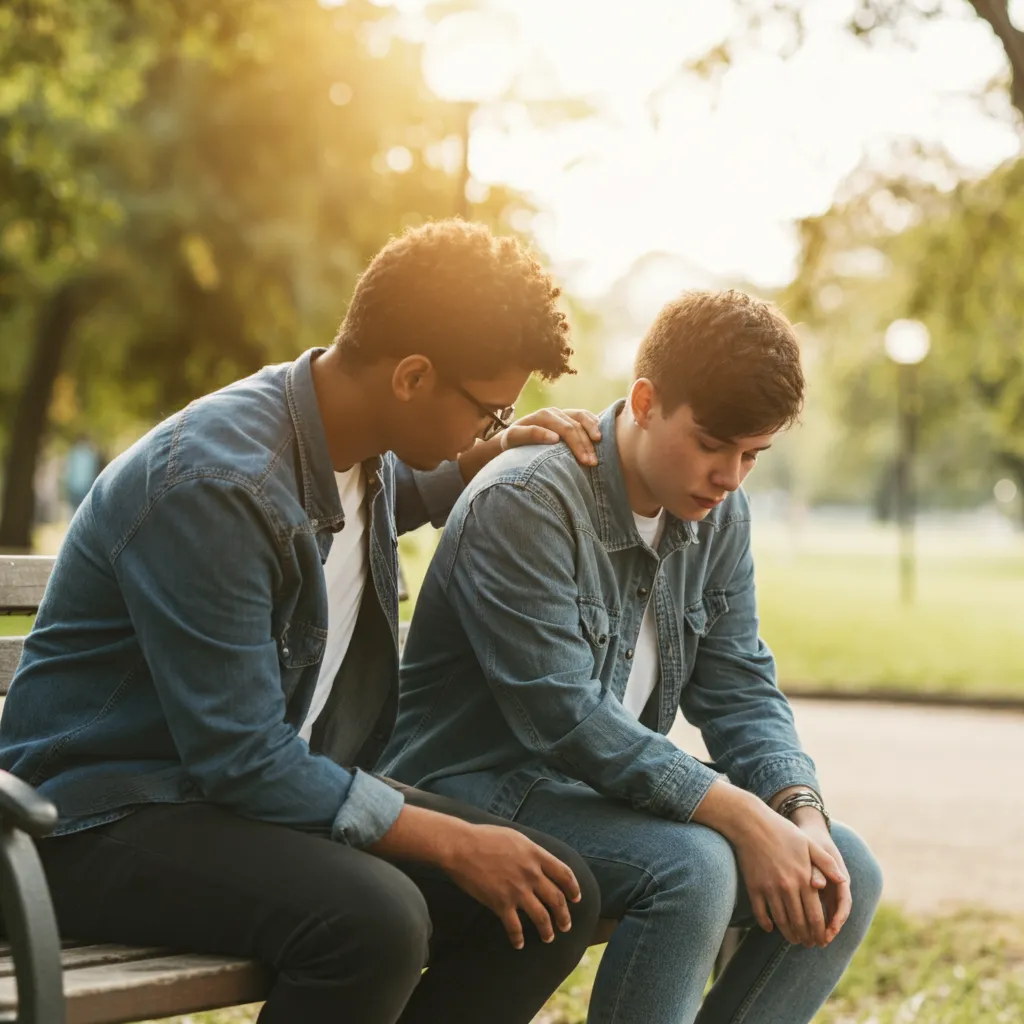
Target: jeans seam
(762, 980)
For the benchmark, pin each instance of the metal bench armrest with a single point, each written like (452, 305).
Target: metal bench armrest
(25, 903)
(23, 807)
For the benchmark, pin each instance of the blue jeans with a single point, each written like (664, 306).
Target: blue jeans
(676, 888)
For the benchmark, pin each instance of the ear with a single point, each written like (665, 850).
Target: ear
(413, 377)
(642, 401)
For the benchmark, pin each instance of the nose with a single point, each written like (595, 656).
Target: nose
(728, 476)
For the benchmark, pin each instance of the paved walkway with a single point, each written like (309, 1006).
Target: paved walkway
(937, 792)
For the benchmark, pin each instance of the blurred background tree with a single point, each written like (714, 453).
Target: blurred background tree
(189, 192)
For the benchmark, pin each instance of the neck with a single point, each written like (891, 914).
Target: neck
(350, 409)
(627, 437)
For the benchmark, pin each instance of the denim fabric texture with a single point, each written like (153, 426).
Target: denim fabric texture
(524, 633)
(179, 639)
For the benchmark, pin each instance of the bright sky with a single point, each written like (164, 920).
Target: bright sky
(719, 175)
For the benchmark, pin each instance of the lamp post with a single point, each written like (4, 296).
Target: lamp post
(906, 343)
(469, 59)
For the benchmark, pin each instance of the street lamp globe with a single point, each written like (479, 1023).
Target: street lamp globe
(470, 57)
(907, 342)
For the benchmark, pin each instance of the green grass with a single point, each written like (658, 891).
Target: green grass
(964, 968)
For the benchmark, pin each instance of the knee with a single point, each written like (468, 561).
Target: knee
(864, 871)
(380, 937)
(697, 869)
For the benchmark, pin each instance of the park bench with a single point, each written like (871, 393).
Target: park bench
(47, 980)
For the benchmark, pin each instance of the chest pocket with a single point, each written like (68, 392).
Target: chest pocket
(301, 644)
(703, 614)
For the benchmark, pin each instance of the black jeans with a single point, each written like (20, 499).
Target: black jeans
(345, 933)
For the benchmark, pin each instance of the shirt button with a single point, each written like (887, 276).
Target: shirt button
(642, 592)
(285, 651)
(629, 654)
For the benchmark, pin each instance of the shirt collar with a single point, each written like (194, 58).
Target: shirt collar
(319, 488)
(616, 526)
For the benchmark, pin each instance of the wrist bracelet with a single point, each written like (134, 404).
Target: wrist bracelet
(804, 798)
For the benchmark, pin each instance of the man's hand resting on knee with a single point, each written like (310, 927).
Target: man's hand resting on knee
(497, 866)
(784, 867)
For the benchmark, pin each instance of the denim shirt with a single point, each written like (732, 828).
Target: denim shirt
(179, 640)
(523, 638)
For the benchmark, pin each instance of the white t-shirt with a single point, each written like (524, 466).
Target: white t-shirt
(345, 573)
(643, 676)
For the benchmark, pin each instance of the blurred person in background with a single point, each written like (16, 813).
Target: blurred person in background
(570, 611)
(214, 668)
(82, 465)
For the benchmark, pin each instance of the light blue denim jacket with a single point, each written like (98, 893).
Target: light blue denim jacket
(523, 637)
(180, 637)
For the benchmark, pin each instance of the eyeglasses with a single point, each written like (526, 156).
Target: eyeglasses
(498, 423)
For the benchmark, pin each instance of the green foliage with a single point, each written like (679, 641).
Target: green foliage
(900, 247)
(218, 174)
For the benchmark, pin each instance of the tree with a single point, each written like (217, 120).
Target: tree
(204, 198)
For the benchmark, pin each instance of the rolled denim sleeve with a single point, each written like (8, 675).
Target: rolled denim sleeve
(422, 497)
(512, 583)
(203, 615)
(733, 698)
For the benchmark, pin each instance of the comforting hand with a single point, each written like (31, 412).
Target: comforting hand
(578, 428)
(505, 871)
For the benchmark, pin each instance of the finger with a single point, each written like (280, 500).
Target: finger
(554, 899)
(588, 420)
(760, 908)
(561, 874)
(797, 919)
(575, 436)
(781, 919)
(537, 913)
(815, 917)
(519, 435)
(827, 863)
(830, 901)
(513, 926)
(844, 904)
(818, 880)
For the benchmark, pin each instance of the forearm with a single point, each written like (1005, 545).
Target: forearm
(424, 836)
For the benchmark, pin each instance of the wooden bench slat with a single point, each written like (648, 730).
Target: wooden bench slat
(22, 582)
(162, 986)
(84, 955)
(10, 655)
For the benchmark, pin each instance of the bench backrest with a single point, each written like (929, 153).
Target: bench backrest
(22, 582)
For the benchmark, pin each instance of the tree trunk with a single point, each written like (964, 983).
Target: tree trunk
(52, 335)
(997, 14)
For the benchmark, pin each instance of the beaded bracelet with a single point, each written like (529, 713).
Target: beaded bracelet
(804, 798)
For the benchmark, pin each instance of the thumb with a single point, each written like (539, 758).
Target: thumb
(827, 863)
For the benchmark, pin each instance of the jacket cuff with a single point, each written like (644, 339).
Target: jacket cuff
(439, 488)
(778, 774)
(369, 810)
(685, 785)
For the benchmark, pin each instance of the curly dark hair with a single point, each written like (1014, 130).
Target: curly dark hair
(733, 359)
(473, 303)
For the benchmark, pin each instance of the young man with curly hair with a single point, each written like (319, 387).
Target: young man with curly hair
(570, 612)
(214, 671)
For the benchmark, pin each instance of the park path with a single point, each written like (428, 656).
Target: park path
(938, 793)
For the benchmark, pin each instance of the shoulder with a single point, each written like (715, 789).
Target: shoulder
(237, 433)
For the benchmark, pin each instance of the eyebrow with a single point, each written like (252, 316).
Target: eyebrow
(729, 440)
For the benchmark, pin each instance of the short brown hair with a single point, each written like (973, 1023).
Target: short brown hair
(473, 303)
(732, 358)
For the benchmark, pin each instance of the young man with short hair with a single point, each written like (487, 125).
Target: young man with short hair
(570, 612)
(214, 667)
